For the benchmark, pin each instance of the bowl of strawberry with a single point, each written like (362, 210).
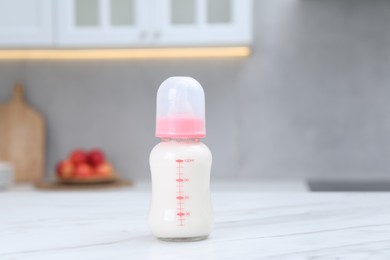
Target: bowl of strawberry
(83, 166)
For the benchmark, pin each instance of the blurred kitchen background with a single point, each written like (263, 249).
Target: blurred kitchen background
(310, 101)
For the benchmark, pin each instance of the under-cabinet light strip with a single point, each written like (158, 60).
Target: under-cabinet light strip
(92, 54)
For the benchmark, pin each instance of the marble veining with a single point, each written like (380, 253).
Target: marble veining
(249, 225)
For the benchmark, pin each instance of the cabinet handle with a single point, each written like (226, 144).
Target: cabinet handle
(157, 34)
(143, 34)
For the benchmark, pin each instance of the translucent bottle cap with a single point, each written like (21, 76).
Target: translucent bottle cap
(180, 109)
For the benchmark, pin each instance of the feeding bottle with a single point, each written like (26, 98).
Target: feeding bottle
(180, 164)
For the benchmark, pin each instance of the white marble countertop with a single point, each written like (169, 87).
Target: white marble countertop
(250, 224)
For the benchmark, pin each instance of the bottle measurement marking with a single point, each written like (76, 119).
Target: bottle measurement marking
(181, 196)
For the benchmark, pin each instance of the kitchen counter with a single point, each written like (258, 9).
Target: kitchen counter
(250, 224)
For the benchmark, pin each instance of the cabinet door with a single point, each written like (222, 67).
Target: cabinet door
(203, 22)
(25, 23)
(102, 22)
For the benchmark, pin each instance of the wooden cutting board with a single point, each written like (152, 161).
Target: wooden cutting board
(22, 137)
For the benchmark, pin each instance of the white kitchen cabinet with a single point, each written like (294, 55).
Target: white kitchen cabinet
(124, 23)
(154, 22)
(102, 22)
(25, 23)
(203, 22)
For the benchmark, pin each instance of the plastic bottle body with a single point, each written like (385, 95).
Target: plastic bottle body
(181, 207)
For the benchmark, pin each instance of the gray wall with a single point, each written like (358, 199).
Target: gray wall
(312, 100)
